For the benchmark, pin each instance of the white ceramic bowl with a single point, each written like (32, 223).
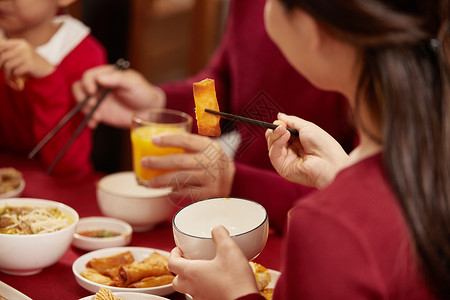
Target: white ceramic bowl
(131, 296)
(139, 253)
(119, 196)
(29, 254)
(101, 223)
(17, 192)
(246, 220)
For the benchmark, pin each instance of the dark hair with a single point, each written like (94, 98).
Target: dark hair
(405, 86)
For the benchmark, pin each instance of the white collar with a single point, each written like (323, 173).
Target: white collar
(69, 35)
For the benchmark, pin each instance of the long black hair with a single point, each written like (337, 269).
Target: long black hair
(405, 86)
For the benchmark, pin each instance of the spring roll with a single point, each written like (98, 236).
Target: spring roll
(152, 281)
(103, 264)
(155, 265)
(95, 276)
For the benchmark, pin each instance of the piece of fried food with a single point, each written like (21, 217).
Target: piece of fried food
(105, 294)
(152, 281)
(262, 275)
(267, 293)
(205, 97)
(95, 276)
(10, 179)
(17, 83)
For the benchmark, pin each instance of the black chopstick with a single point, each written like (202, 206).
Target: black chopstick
(248, 120)
(120, 64)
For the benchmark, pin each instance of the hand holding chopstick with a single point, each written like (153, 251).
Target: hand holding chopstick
(120, 64)
(249, 120)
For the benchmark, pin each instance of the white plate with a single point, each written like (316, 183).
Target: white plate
(17, 192)
(139, 253)
(274, 275)
(131, 296)
(99, 223)
(9, 292)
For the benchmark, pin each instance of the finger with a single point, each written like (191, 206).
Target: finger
(176, 260)
(293, 121)
(224, 243)
(189, 142)
(172, 161)
(89, 80)
(78, 91)
(181, 285)
(177, 179)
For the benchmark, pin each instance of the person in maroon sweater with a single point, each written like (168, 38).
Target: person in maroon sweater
(252, 79)
(379, 229)
(48, 53)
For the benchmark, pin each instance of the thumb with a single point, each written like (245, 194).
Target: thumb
(222, 239)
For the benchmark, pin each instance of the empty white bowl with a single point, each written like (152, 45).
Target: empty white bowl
(246, 221)
(112, 225)
(29, 254)
(119, 196)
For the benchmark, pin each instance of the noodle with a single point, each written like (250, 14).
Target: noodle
(32, 220)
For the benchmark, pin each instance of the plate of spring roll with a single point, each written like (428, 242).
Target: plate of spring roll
(125, 269)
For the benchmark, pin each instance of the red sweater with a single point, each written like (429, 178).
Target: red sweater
(27, 116)
(254, 79)
(350, 241)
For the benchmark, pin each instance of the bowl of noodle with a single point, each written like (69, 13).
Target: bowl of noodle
(34, 234)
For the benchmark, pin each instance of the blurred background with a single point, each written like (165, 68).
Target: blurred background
(163, 39)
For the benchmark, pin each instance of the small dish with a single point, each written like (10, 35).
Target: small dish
(17, 192)
(111, 226)
(139, 253)
(131, 296)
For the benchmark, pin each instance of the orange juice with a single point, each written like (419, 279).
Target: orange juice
(141, 140)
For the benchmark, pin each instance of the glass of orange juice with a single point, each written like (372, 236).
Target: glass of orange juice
(147, 123)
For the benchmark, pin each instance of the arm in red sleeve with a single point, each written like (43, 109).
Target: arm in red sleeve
(268, 188)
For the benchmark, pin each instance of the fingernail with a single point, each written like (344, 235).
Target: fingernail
(281, 115)
(156, 139)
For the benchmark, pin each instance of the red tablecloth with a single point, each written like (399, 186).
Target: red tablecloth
(58, 281)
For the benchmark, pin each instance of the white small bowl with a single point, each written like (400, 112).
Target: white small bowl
(139, 253)
(131, 296)
(246, 221)
(101, 223)
(29, 254)
(17, 192)
(119, 196)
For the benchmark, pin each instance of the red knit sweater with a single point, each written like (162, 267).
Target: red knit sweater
(254, 79)
(350, 241)
(27, 116)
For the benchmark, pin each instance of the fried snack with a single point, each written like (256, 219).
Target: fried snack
(104, 264)
(266, 293)
(154, 265)
(262, 275)
(105, 294)
(17, 83)
(152, 281)
(205, 97)
(9, 179)
(95, 276)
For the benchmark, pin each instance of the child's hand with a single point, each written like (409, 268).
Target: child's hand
(18, 58)
(312, 159)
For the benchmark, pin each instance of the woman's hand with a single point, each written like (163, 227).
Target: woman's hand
(227, 276)
(203, 171)
(18, 58)
(129, 91)
(312, 159)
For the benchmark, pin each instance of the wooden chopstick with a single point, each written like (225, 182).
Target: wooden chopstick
(120, 64)
(249, 120)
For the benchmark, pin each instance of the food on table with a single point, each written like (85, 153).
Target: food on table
(122, 270)
(105, 294)
(10, 179)
(205, 98)
(101, 233)
(2, 298)
(263, 279)
(32, 220)
(17, 83)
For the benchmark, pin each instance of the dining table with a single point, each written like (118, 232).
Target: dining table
(79, 192)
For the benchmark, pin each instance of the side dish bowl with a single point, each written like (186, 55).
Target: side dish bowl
(119, 196)
(27, 254)
(94, 233)
(246, 221)
(139, 253)
(17, 192)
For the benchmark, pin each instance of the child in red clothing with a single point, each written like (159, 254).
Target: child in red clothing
(48, 52)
